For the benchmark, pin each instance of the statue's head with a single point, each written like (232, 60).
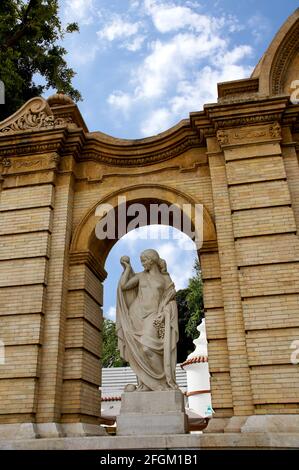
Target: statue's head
(149, 257)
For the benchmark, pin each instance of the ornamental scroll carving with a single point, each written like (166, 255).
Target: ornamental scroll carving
(249, 134)
(33, 115)
(24, 165)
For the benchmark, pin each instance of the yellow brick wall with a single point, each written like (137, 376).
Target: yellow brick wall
(25, 230)
(267, 254)
(50, 306)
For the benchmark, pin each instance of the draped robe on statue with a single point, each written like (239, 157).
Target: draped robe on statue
(152, 358)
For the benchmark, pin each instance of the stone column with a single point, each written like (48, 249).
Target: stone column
(262, 200)
(234, 324)
(81, 406)
(216, 331)
(51, 370)
(26, 206)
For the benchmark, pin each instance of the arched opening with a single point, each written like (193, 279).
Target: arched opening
(88, 255)
(181, 256)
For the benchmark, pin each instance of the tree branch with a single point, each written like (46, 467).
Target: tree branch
(14, 39)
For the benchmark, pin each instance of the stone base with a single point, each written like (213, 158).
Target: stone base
(49, 430)
(271, 424)
(255, 424)
(152, 413)
(250, 441)
(83, 429)
(18, 431)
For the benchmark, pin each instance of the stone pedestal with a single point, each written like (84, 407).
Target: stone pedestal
(152, 413)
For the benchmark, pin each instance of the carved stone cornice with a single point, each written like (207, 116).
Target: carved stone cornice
(87, 258)
(256, 112)
(28, 149)
(248, 120)
(238, 90)
(34, 115)
(137, 158)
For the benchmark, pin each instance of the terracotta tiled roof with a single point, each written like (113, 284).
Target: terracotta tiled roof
(194, 360)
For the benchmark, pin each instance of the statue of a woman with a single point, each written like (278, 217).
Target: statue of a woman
(147, 322)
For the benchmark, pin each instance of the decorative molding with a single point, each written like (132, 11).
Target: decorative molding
(238, 90)
(90, 261)
(29, 149)
(275, 131)
(33, 115)
(222, 137)
(287, 51)
(26, 163)
(247, 120)
(21, 165)
(6, 162)
(249, 134)
(149, 159)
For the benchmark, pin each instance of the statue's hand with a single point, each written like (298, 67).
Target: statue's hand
(125, 261)
(160, 317)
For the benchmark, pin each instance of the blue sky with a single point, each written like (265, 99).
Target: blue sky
(143, 65)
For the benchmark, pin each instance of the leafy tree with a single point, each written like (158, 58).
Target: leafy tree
(110, 352)
(185, 344)
(195, 302)
(190, 311)
(30, 32)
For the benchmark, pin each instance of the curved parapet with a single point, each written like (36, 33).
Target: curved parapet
(279, 66)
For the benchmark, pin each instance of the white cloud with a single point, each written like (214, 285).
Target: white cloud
(157, 120)
(110, 314)
(118, 28)
(135, 44)
(81, 11)
(179, 267)
(169, 17)
(80, 55)
(169, 61)
(181, 70)
(120, 100)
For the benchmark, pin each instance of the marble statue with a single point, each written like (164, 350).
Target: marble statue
(147, 322)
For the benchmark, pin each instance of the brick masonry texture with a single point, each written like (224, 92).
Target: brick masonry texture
(239, 159)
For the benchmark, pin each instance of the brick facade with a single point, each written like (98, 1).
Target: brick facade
(238, 158)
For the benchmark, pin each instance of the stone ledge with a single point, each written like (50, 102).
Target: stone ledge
(210, 441)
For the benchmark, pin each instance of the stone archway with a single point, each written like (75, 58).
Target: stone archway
(239, 159)
(87, 260)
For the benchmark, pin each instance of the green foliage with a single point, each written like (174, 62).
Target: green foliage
(30, 33)
(185, 344)
(195, 302)
(110, 353)
(190, 311)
